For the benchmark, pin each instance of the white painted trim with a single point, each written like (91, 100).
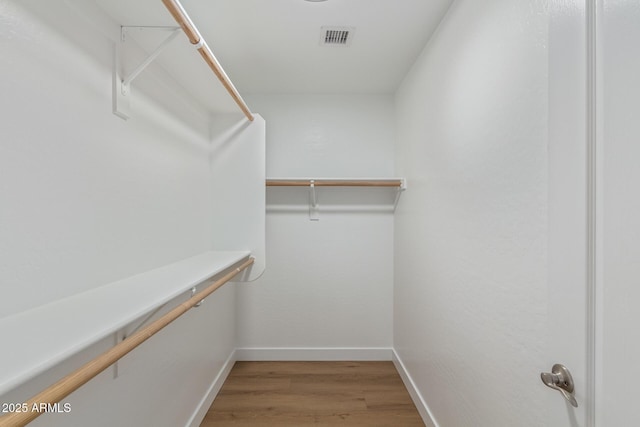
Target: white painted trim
(416, 396)
(592, 208)
(597, 85)
(314, 354)
(210, 395)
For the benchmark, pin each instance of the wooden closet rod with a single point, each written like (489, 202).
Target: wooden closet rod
(334, 183)
(181, 17)
(67, 385)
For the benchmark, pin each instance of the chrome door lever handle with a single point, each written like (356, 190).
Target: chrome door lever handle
(560, 379)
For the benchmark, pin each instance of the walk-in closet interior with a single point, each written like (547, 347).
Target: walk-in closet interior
(445, 186)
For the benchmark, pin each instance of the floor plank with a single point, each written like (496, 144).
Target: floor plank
(313, 394)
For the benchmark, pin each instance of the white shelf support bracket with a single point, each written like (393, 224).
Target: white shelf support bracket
(122, 81)
(142, 323)
(399, 191)
(118, 337)
(313, 202)
(194, 291)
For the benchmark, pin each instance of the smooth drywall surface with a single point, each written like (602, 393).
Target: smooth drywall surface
(620, 214)
(237, 188)
(470, 234)
(328, 283)
(327, 135)
(87, 198)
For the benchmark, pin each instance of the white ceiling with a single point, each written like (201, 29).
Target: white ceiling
(273, 46)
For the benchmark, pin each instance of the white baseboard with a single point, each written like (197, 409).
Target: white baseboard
(212, 392)
(416, 396)
(314, 354)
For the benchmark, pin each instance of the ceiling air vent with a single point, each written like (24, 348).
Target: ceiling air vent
(336, 36)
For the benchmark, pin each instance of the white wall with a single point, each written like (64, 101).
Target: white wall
(87, 198)
(328, 284)
(470, 234)
(328, 135)
(620, 216)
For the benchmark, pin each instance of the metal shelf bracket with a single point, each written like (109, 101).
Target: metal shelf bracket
(403, 187)
(314, 214)
(121, 80)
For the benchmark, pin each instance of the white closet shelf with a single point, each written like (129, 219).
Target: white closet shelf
(337, 182)
(333, 195)
(37, 339)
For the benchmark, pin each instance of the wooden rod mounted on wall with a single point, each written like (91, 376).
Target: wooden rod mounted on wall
(181, 17)
(335, 183)
(73, 381)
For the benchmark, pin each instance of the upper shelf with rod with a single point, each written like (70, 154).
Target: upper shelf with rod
(338, 194)
(336, 182)
(144, 25)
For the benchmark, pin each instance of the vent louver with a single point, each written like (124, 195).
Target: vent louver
(336, 36)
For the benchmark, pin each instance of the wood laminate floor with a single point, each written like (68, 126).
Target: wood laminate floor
(313, 394)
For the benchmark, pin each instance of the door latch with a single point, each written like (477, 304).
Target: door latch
(560, 379)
